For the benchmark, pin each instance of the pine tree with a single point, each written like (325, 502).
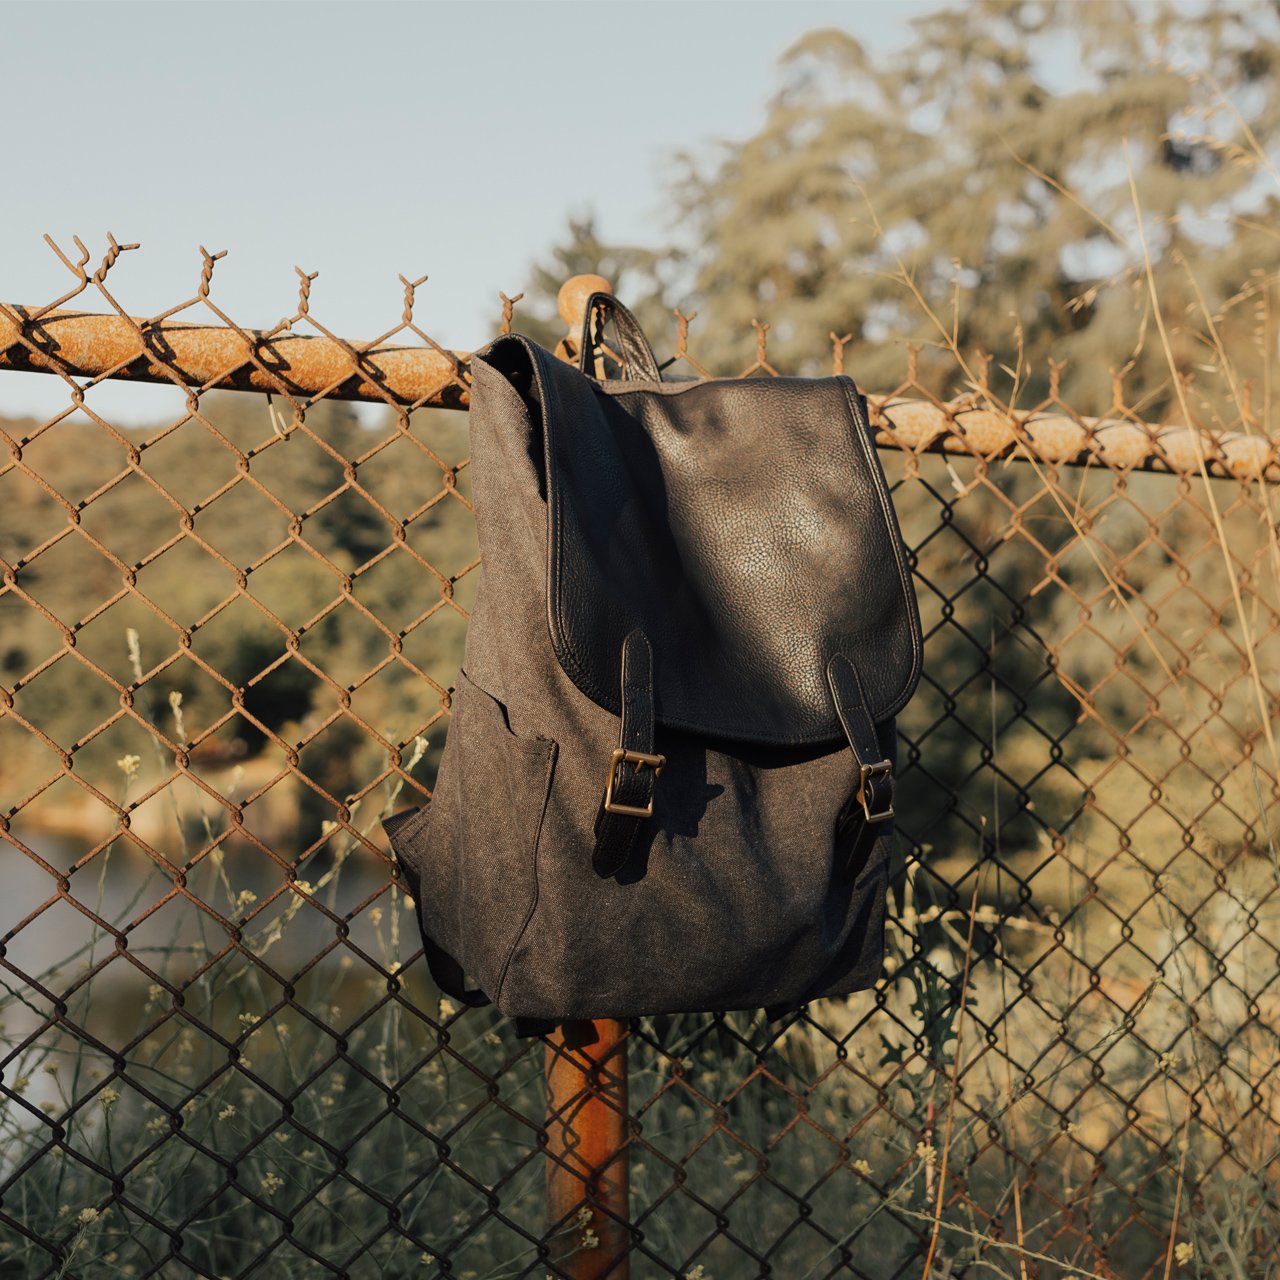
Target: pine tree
(642, 277)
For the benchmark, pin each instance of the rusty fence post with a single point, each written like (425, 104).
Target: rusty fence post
(588, 1182)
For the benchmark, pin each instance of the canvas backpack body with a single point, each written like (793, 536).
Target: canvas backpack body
(667, 782)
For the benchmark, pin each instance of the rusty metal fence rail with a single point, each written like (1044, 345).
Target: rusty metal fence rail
(226, 649)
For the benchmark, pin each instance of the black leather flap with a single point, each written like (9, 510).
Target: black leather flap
(746, 527)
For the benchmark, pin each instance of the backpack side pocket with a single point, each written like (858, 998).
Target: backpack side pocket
(474, 852)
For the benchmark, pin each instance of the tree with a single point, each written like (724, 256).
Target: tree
(964, 191)
(965, 178)
(641, 277)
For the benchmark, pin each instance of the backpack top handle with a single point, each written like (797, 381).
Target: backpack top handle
(638, 361)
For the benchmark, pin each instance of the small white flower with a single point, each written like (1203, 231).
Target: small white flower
(589, 1239)
(89, 1215)
(698, 1273)
(926, 1152)
(1184, 1252)
(108, 1098)
(271, 1184)
(862, 1167)
(447, 1008)
(248, 1019)
(158, 1123)
(129, 765)
(227, 1112)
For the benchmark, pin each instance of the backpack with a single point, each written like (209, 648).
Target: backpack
(667, 783)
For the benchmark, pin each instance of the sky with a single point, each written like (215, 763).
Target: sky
(446, 138)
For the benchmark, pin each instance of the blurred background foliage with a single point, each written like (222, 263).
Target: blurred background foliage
(967, 196)
(983, 174)
(964, 195)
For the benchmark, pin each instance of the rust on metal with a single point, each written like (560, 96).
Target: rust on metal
(209, 356)
(80, 345)
(588, 1183)
(571, 303)
(588, 1158)
(923, 426)
(1094, 744)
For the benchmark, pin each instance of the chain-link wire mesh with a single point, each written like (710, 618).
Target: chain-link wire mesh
(228, 647)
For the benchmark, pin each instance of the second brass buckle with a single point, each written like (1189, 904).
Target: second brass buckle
(881, 769)
(631, 757)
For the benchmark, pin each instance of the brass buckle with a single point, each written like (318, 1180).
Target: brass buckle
(631, 757)
(881, 769)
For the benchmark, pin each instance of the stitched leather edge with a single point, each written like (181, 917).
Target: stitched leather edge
(561, 635)
(862, 430)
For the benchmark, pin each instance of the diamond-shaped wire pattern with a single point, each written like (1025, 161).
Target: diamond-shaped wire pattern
(228, 649)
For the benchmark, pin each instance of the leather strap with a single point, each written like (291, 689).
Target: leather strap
(638, 360)
(872, 801)
(630, 784)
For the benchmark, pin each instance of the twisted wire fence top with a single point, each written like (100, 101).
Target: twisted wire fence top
(229, 642)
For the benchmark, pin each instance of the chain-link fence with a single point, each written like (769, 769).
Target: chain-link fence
(228, 642)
